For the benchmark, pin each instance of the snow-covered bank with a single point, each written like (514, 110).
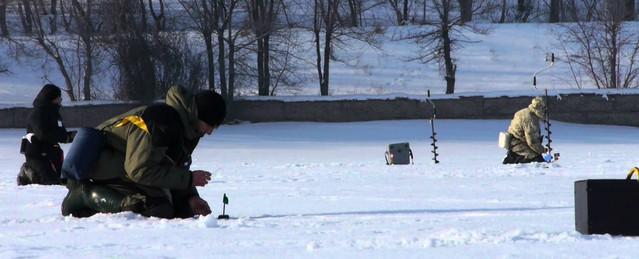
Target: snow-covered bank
(503, 60)
(323, 190)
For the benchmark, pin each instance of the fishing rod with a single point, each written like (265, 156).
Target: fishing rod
(432, 128)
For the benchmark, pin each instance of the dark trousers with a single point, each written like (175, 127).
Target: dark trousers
(88, 198)
(514, 158)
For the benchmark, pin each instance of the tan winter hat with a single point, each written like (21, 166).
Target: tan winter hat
(538, 103)
(538, 106)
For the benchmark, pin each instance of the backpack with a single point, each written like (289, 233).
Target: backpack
(504, 140)
(399, 154)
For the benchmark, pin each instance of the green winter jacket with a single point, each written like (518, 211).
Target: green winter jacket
(132, 153)
(525, 131)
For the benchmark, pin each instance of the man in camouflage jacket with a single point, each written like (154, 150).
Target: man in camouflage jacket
(525, 143)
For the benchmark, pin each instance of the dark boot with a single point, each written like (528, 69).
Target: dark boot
(514, 158)
(86, 199)
(103, 199)
(23, 176)
(74, 203)
(38, 171)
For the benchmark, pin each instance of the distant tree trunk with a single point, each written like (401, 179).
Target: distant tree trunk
(231, 86)
(221, 64)
(267, 62)
(262, 18)
(354, 8)
(329, 16)
(26, 16)
(523, 10)
(88, 70)
(203, 15)
(573, 11)
(219, 21)
(43, 11)
(448, 59)
(327, 57)
(466, 9)
(259, 14)
(502, 17)
(591, 11)
(317, 24)
(159, 18)
(262, 89)
(554, 11)
(54, 6)
(65, 17)
(405, 11)
(630, 10)
(210, 59)
(53, 20)
(400, 9)
(614, 52)
(86, 33)
(4, 30)
(424, 11)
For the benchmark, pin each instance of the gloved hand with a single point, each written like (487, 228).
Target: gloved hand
(547, 157)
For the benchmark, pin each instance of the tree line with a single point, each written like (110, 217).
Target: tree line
(228, 45)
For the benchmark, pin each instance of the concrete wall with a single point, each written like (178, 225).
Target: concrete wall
(579, 108)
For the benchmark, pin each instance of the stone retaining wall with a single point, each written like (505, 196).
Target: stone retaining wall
(579, 108)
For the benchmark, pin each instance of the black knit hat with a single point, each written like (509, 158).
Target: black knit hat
(48, 93)
(211, 107)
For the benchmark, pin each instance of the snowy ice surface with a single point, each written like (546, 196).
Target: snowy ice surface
(322, 190)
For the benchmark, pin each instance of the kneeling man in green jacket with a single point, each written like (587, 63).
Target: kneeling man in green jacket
(144, 166)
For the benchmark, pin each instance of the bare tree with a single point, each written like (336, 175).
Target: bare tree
(229, 43)
(324, 20)
(580, 10)
(52, 45)
(524, 10)
(329, 32)
(86, 30)
(222, 21)
(202, 15)
(263, 17)
(131, 49)
(26, 15)
(503, 11)
(400, 7)
(443, 35)
(606, 50)
(355, 12)
(284, 68)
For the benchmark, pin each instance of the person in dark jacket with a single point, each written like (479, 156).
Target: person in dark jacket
(145, 165)
(40, 146)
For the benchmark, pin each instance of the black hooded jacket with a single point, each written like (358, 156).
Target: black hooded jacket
(45, 123)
